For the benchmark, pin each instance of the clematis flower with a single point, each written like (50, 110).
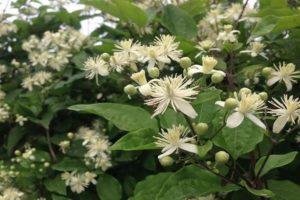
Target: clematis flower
(172, 91)
(94, 67)
(207, 67)
(169, 46)
(286, 73)
(248, 105)
(256, 48)
(287, 110)
(173, 139)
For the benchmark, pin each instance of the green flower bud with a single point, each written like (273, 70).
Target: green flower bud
(17, 152)
(185, 62)
(153, 72)
(46, 164)
(244, 91)
(263, 96)
(217, 78)
(201, 128)
(221, 157)
(231, 103)
(266, 71)
(166, 161)
(32, 166)
(105, 57)
(70, 135)
(130, 89)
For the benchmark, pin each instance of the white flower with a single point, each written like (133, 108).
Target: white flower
(20, 119)
(96, 66)
(64, 145)
(256, 49)
(129, 49)
(11, 193)
(248, 105)
(78, 181)
(140, 78)
(154, 55)
(174, 91)
(4, 112)
(206, 46)
(169, 46)
(287, 110)
(118, 61)
(173, 139)
(228, 35)
(286, 73)
(207, 67)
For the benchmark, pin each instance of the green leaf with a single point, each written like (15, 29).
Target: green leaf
(69, 164)
(262, 192)
(108, 188)
(178, 22)
(56, 185)
(149, 188)
(138, 140)
(170, 118)
(240, 140)
(14, 137)
(274, 161)
(194, 7)
(125, 117)
(122, 9)
(272, 4)
(192, 181)
(284, 190)
(204, 149)
(57, 197)
(205, 106)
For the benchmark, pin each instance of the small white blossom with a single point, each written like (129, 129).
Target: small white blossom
(173, 139)
(256, 48)
(286, 110)
(20, 119)
(248, 105)
(207, 67)
(172, 91)
(11, 193)
(78, 182)
(169, 46)
(286, 73)
(94, 67)
(228, 35)
(154, 55)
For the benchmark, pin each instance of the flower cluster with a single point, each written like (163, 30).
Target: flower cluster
(78, 182)
(6, 28)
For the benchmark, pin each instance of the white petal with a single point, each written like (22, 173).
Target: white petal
(288, 85)
(279, 123)
(273, 80)
(220, 103)
(234, 120)
(185, 107)
(256, 121)
(194, 70)
(167, 153)
(145, 90)
(189, 147)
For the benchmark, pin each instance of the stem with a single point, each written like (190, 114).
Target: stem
(220, 129)
(265, 161)
(52, 153)
(188, 120)
(241, 14)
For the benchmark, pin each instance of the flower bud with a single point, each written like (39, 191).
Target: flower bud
(130, 89)
(217, 77)
(221, 157)
(266, 71)
(70, 135)
(105, 57)
(139, 77)
(201, 128)
(17, 152)
(231, 103)
(153, 72)
(255, 80)
(145, 90)
(166, 161)
(32, 166)
(185, 62)
(244, 91)
(46, 164)
(263, 96)
(247, 82)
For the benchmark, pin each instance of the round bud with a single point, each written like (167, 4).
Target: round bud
(32, 166)
(11, 173)
(105, 57)
(208, 163)
(70, 135)
(32, 157)
(46, 164)
(17, 152)
(153, 72)
(266, 71)
(12, 167)
(166, 161)
(244, 91)
(130, 89)
(201, 128)
(255, 80)
(247, 82)
(263, 96)
(221, 157)
(231, 103)
(185, 62)
(215, 170)
(43, 160)
(12, 159)
(217, 78)
(41, 170)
